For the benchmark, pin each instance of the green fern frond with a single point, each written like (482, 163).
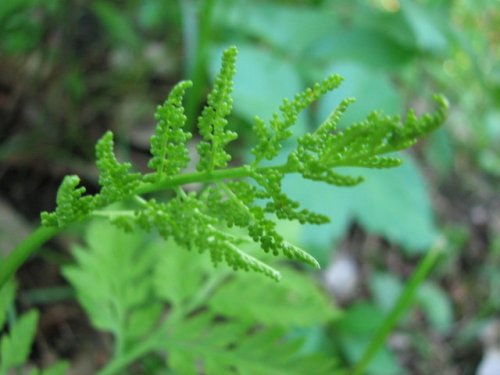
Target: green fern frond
(71, 204)
(229, 199)
(168, 145)
(117, 183)
(270, 139)
(212, 122)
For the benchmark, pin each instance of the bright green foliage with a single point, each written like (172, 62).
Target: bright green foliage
(230, 198)
(60, 368)
(15, 347)
(270, 140)
(168, 146)
(71, 205)
(111, 281)
(115, 179)
(359, 145)
(229, 348)
(118, 277)
(16, 342)
(212, 122)
(301, 303)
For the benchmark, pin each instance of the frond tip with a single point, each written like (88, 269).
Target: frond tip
(168, 145)
(212, 122)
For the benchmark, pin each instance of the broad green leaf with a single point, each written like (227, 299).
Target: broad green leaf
(16, 345)
(276, 24)
(372, 89)
(362, 45)
(425, 26)
(294, 301)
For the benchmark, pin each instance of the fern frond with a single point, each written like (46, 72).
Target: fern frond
(360, 145)
(71, 204)
(270, 139)
(198, 220)
(168, 145)
(212, 122)
(117, 183)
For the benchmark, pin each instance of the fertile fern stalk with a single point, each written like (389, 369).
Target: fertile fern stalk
(199, 220)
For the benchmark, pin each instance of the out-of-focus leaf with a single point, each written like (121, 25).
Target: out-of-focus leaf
(436, 306)
(427, 32)
(372, 89)
(291, 29)
(439, 152)
(60, 368)
(386, 288)
(364, 45)
(111, 281)
(7, 293)
(15, 346)
(118, 26)
(294, 301)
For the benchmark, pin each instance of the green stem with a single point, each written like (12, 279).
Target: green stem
(24, 250)
(400, 307)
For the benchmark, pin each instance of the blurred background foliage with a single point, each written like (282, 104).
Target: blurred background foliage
(69, 70)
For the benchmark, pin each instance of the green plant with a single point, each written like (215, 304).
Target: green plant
(247, 197)
(125, 282)
(15, 344)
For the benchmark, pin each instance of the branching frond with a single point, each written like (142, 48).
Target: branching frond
(249, 197)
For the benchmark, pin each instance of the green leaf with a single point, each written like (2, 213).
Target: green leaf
(7, 294)
(118, 26)
(60, 368)
(425, 26)
(294, 301)
(436, 305)
(112, 283)
(365, 85)
(276, 24)
(230, 348)
(386, 288)
(15, 346)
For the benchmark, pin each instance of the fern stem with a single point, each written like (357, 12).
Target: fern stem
(400, 307)
(24, 250)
